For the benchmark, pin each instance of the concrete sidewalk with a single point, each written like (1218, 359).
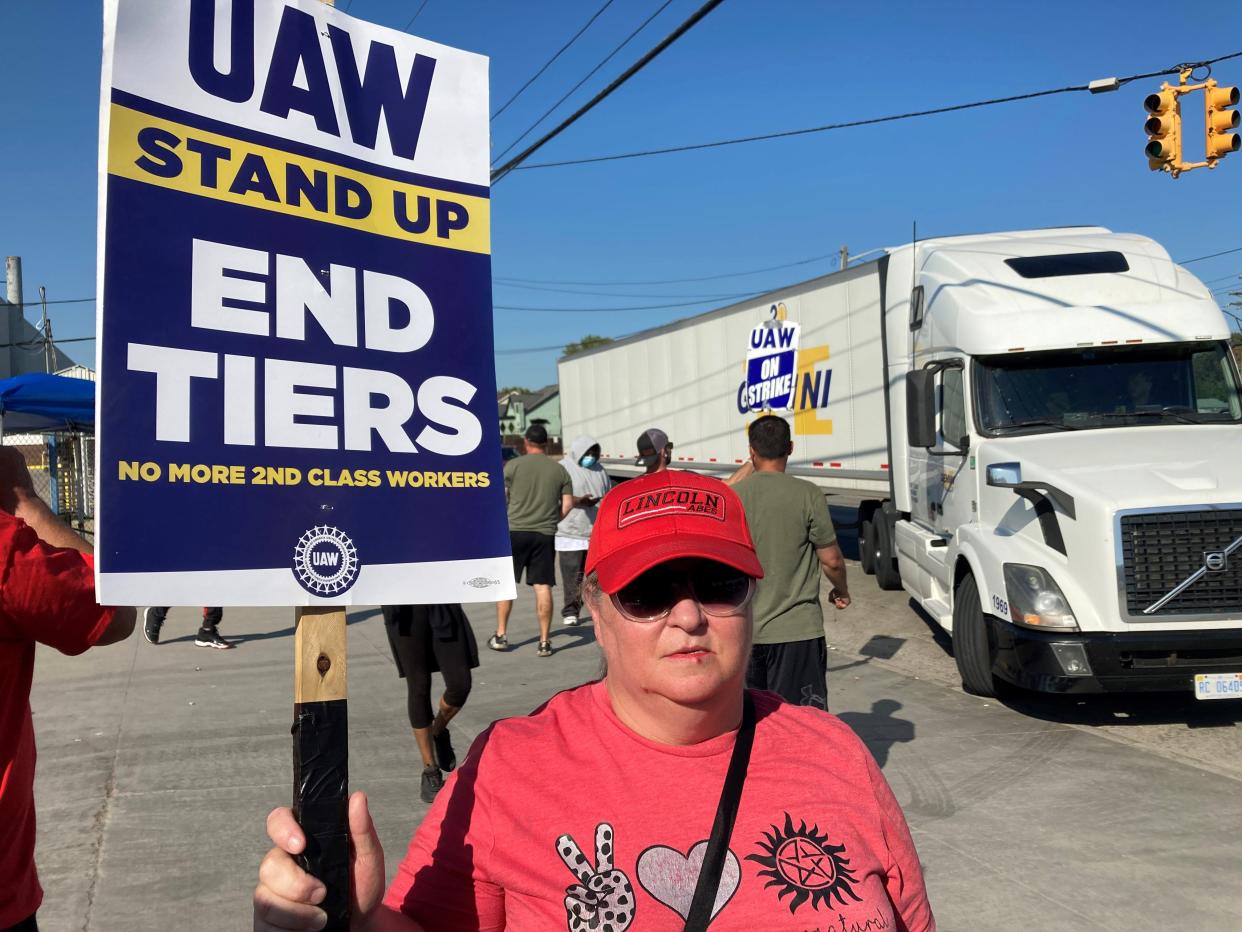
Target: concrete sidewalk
(158, 766)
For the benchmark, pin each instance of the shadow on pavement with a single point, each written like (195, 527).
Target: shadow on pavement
(880, 729)
(1105, 709)
(581, 635)
(942, 638)
(239, 639)
(1127, 709)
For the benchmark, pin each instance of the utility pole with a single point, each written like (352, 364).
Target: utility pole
(845, 257)
(49, 353)
(12, 326)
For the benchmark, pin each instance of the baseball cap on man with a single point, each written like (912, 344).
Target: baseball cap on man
(651, 443)
(666, 516)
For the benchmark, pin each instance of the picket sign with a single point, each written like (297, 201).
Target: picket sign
(295, 338)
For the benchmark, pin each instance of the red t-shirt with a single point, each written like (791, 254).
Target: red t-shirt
(46, 595)
(568, 819)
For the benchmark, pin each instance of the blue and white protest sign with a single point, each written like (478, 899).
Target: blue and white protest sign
(771, 364)
(296, 399)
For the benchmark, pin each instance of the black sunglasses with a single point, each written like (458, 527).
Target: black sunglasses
(719, 590)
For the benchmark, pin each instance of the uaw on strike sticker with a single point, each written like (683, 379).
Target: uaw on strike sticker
(771, 365)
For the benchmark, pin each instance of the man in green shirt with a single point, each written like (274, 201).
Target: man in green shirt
(540, 493)
(795, 540)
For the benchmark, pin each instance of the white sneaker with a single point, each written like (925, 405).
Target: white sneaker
(570, 620)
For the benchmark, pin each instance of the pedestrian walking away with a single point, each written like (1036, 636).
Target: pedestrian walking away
(708, 802)
(208, 632)
(573, 534)
(796, 543)
(655, 451)
(48, 597)
(540, 494)
(427, 639)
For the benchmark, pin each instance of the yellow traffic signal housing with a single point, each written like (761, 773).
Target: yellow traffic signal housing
(1220, 119)
(1163, 128)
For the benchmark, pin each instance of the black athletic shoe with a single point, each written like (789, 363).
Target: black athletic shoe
(210, 637)
(433, 782)
(151, 624)
(444, 751)
(545, 649)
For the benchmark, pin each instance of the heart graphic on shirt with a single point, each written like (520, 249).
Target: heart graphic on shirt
(670, 876)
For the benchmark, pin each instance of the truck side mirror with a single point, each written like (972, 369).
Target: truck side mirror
(1004, 475)
(921, 408)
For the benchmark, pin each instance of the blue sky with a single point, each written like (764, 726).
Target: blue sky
(752, 66)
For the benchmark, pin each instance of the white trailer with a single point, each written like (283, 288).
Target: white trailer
(1046, 427)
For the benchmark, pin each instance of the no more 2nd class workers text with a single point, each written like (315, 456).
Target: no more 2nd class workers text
(223, 474)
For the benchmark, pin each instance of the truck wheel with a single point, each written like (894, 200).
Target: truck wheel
(866, 545)
(971, 650)
(887, 576)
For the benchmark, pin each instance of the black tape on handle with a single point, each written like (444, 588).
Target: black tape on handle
(321, 800)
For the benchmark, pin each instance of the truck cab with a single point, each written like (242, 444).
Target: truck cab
(1065, 428)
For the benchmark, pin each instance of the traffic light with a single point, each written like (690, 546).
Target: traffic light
(1164, 130)
(1220, 120)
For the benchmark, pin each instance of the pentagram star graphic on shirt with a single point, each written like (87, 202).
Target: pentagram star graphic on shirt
(803, 862)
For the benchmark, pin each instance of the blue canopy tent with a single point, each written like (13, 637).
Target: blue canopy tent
(54, 405)
(36, 402)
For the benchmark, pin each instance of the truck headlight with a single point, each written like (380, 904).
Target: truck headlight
(1035, 601)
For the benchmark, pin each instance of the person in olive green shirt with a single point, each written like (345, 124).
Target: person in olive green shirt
(540, 493)
(795, 540)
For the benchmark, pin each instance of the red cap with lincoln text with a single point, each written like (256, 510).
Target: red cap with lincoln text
(666, 516)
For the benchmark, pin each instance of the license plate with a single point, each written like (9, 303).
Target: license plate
(1218, 685)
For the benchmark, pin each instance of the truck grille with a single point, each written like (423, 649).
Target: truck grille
(1160, 550)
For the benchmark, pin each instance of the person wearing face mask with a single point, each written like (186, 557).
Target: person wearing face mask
(573, 534)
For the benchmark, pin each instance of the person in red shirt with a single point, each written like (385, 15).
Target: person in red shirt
(696, 801)
(47, 596)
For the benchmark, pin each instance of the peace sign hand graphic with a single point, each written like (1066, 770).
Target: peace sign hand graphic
(603, 898)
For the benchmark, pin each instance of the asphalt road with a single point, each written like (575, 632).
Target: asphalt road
(889, 630)
(158, 766)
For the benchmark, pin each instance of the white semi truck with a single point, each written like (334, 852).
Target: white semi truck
(1045, 429)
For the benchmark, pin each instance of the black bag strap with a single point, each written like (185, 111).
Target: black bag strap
(726, 814)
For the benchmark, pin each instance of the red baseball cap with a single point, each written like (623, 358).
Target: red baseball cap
(665, 516)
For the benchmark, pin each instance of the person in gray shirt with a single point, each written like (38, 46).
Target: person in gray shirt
(540, 493)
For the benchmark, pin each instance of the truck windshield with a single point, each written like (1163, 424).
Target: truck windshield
(1174, 383)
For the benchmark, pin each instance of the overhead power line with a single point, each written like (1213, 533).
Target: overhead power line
(417, 14)
(785, 134)
(664, 281)
(610, 310)
(1212, 256)
(607, 58)
(531, 80)
(676, 281)
(613, 294)
(629, 72)
(39, 342)
(26, 304)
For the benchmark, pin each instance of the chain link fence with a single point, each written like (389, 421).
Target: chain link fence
(62, 468)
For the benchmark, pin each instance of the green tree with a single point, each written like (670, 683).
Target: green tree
(590, 341)
(521, 389)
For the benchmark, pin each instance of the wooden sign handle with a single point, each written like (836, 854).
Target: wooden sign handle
(321, 754)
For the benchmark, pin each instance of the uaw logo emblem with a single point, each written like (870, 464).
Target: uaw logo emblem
(674, 501)
(325, 561)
